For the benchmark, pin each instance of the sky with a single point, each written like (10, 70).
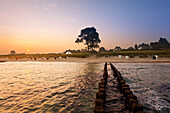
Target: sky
(52, 26)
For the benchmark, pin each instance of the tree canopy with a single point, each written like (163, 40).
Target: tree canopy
(161, 44)
(102, 49)
(90, 38)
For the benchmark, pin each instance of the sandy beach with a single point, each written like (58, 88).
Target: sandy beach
(93, 60)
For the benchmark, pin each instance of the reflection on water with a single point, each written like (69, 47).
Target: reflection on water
(71, 87)
(151, 84)
(48, 86)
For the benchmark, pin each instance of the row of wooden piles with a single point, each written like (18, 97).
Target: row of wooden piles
(101, 94)
(131, 101)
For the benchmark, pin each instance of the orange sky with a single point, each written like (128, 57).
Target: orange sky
(52, 26)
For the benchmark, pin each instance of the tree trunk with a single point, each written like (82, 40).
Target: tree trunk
(88, 48)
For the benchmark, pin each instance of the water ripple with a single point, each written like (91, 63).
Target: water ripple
(48, 86)
(151, 83)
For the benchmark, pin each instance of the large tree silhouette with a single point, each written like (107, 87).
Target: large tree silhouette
(90, 38)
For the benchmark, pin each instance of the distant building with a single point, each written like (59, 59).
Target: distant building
(117, 48)
(143, 46)
(12, 52)
(68, 52)
(72, 51)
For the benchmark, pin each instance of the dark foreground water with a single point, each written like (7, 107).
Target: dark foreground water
(150, 83)
(71, 87)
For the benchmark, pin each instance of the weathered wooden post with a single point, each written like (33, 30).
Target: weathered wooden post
(101, 94)
(131, 99)
(136, 107)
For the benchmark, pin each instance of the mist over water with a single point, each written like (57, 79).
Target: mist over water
(71, 87)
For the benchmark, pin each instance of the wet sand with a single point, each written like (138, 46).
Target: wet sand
(93, 60)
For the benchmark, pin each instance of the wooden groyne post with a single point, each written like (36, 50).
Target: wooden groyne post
(101, 94)
(131, 101)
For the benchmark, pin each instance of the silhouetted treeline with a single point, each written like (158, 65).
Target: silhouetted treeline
(161, 44)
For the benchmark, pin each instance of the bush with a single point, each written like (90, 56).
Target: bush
(131, 56)
(143, 56)
(93, 51)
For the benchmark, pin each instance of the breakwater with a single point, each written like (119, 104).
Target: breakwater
(115, 95)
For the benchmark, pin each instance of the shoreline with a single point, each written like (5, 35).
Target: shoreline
(92, 60)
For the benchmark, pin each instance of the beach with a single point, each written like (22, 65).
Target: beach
(92, 60)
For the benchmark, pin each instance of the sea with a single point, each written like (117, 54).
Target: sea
(70, 87)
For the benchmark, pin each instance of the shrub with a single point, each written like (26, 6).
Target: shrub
(143, 56)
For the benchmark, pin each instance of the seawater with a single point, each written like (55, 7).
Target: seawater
(150, 82)
(61, 87)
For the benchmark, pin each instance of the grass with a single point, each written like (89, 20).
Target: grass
(131, 54)
(140, 53)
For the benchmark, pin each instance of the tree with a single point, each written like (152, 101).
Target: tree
(90, 38)
(102, 49)
(136, 47)
(130, 48)
(111, 50)
(12, 52)
(162, 44)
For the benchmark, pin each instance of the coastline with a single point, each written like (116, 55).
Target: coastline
(92, 60)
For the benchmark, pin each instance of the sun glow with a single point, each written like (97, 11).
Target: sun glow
(28, 50)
